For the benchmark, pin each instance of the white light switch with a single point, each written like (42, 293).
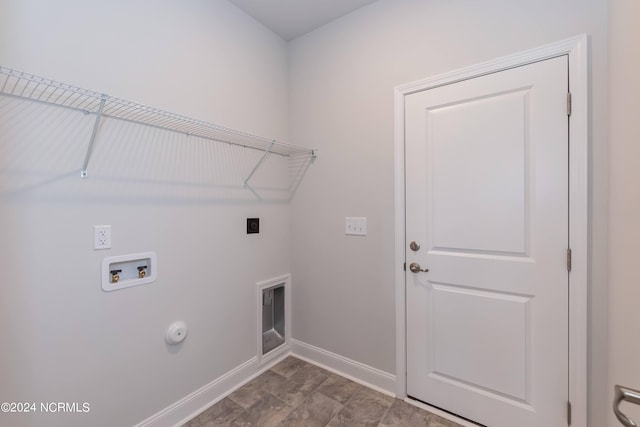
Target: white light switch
(355, 226)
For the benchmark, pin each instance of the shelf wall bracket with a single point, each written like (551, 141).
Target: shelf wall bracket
(262, 159)
(87, 157)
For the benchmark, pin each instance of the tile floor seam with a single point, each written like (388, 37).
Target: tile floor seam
(385, 414)
(237, 416)
(344, 405)
(318, 386)
(336, 414)
(295, 408)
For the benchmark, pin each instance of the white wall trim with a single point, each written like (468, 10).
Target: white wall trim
(196, 402)
(577, 49)
(368, 376)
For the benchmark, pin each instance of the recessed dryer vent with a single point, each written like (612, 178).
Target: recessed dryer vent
(273, 314)
(272, 318)
(125, 271)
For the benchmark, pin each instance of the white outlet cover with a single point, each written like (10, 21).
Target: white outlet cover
(102, 237)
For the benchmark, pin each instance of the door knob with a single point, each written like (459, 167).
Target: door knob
(415, 246)
(629, 395)
(415, 268)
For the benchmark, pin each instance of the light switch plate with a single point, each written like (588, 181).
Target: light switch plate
(355, 226)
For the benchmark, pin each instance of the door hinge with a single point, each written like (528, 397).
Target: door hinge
(569, 259)
(568, 412)
(568, 103)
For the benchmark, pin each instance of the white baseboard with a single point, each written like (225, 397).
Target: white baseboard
(194, 403)
(368, 376)
(198, 401)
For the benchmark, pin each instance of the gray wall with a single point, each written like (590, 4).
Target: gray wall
(341, 100)
(624, 200)
(66, 339)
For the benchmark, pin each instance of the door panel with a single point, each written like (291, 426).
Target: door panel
(470, 148)
(460, 318)
(487, 199)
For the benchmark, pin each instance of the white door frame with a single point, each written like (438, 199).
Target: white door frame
(577, 49)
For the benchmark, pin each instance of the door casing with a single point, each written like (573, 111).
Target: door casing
(577, 49)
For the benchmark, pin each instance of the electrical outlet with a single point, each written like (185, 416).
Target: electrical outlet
(102, 237)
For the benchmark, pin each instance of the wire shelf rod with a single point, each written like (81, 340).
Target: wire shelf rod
(197, 135)
(29, 86)
(84, 110)
(18, 84)
(38, 101)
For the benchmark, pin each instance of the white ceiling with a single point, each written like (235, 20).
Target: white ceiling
(293, 18)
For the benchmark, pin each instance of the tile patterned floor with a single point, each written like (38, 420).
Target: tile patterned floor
(297, 393)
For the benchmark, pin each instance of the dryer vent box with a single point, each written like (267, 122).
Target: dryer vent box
(273, 323)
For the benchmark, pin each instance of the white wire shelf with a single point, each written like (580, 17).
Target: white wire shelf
(18, 84)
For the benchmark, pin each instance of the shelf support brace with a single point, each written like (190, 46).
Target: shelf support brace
(255, 168)
(83, 171)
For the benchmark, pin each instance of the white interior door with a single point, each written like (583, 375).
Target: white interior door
(487, 202)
